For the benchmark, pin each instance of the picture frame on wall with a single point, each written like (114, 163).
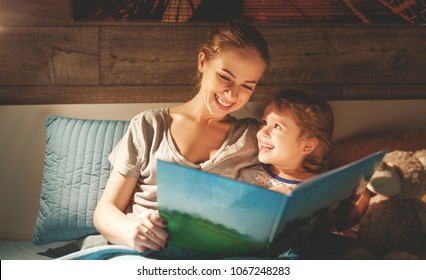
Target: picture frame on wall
(269, 11)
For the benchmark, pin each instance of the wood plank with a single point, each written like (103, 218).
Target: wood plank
(344, 63)
(370, 92)
(49, 56)
(93, 94)
(330, 92)
(40, 12)
(14, 95)
(149, 55)
(300, 55)
(355, 55)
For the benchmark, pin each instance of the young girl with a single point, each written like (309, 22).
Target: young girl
(199, 134)
(294, 141)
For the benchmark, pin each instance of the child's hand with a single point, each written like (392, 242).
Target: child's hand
(356, 213)
(149, 232)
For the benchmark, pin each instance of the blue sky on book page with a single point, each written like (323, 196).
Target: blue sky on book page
(248, 209)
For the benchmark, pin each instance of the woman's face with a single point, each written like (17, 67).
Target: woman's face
(229, 80)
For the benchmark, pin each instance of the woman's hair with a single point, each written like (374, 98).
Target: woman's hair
(234, 35)
(315, 118)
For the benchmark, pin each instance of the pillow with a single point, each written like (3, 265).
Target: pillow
(359, 147)
(76, 169)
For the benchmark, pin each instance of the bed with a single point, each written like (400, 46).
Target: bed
(75, 172)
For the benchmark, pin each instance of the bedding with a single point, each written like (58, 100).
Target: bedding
(75, 172)
(105, 252)
(119, 252)
(328, 246)
(362, 146)
(27, 250)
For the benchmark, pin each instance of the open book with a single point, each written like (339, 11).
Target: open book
(220, 217)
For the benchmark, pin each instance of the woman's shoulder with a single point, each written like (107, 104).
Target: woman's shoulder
(149, 121)
(151, 115)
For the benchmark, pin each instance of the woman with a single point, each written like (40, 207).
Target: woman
(199, 133)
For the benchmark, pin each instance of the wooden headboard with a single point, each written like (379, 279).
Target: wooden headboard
(47, 58)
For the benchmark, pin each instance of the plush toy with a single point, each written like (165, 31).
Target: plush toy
(394, 225)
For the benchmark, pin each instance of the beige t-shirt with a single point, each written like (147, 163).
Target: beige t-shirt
(148, 139)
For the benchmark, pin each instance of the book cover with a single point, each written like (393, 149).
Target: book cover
(220, 217)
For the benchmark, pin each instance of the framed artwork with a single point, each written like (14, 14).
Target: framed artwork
(278, 11)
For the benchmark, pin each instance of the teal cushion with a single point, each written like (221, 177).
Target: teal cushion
(76, 169)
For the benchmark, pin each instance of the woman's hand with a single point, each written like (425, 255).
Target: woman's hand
(146, 233)
(149, 232)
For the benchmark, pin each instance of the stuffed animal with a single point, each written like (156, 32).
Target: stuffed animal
(394, 225)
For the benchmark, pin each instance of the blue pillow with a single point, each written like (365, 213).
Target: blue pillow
(76, 169)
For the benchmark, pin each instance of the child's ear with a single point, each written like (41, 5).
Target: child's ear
(309, 144)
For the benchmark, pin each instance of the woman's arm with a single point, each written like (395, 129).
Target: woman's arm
(111, 221)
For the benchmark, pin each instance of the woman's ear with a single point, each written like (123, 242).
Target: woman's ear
(309, 144)
(201, 62)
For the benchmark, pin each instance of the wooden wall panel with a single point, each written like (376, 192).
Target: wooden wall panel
(364, 54)
(130, 94)
(10, 95)
(368, 92)
(49, 56)
(317, 55)
(35, 12)
(149, 55)
(94, 94)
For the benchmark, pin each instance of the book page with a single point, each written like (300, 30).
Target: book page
(318, 197)
(214, 215)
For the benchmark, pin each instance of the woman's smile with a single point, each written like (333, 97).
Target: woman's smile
(222, 103)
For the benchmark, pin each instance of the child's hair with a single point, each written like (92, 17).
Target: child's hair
(315, 118)
(234, 35)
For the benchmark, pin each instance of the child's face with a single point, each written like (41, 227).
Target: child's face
(229, 80)
(278, 139)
